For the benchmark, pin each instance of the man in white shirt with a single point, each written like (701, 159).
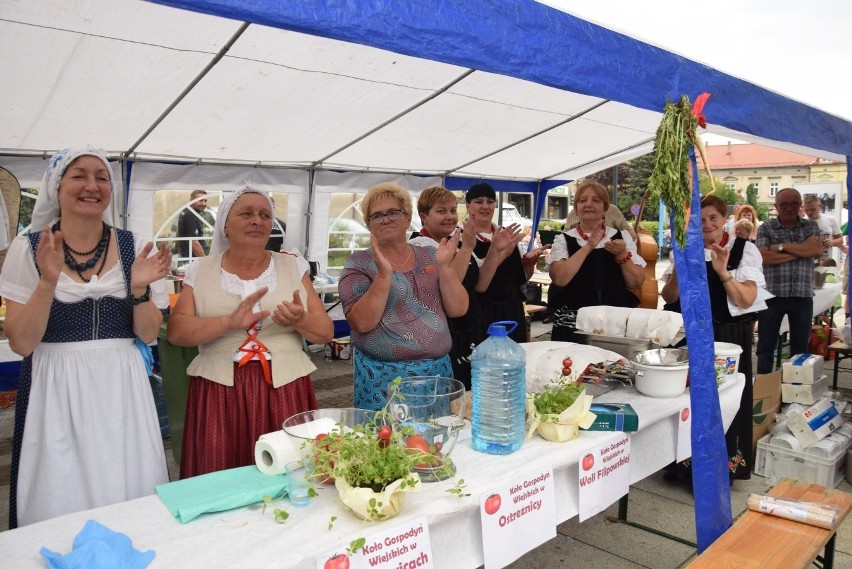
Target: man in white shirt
(828, 225)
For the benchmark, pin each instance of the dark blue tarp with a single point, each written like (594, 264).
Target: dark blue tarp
(531, 41)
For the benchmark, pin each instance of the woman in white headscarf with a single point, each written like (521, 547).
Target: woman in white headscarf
(247, 309)
(79, 299)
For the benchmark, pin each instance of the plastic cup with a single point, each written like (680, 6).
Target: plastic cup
(297, 484)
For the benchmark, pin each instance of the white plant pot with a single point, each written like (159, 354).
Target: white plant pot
(389, 501)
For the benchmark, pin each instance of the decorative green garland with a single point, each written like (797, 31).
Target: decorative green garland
(669, 180)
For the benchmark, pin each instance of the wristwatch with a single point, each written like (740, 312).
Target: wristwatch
(780, 247)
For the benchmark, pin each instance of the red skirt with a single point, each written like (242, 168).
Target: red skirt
(223, 423)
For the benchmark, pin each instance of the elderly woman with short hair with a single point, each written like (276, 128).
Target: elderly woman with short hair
(594, 265)
(397, 297)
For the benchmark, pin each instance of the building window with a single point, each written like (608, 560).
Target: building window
(773, 188)
(731, 185)
(755, 185)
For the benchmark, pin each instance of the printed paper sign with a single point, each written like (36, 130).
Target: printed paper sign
(404, 545)
(517, 517)
(604, 475)
(684, 434)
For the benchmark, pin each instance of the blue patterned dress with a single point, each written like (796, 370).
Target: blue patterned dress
(412, 337)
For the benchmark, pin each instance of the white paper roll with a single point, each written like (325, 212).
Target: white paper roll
(786, 440)
(272, 451)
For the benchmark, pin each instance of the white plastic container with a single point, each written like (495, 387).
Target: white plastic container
(778, 462)
(727, 358)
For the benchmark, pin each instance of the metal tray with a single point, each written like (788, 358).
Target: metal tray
(627, 347)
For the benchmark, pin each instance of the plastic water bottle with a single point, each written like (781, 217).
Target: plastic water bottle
(499, 391)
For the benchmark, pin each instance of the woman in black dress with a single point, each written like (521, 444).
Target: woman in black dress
(734, 273)
(592, 264)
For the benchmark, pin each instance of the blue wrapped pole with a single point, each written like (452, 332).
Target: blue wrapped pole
(710, 480)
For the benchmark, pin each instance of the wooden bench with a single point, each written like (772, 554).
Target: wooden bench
(762, 541)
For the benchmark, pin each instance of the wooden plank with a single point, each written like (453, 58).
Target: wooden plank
(762, 541)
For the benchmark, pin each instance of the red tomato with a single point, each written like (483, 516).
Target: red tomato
(385, 433)
(566, 371)
(492, 504)
(338, 561)
(567, 362)
(588, 462)
(418, 443)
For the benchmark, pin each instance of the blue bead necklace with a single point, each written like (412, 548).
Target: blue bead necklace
(98, 254)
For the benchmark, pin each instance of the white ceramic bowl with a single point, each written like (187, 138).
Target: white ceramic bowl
(661, 372)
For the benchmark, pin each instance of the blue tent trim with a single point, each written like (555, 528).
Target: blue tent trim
(535, 42)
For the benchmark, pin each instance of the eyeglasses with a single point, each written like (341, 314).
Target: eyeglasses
(391, 214)
(787, 205)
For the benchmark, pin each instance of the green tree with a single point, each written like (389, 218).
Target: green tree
(751, 196)
(727, 195)
(638, 172)
(25, 213)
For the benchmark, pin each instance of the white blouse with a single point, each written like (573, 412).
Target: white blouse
(559, 249)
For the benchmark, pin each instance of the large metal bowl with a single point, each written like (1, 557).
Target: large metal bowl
(662, 357)
(661, 372)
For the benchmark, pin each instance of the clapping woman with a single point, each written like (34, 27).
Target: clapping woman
(734, 273)
(397, 298)
(78, 294)
(247, 309)
(594, 265)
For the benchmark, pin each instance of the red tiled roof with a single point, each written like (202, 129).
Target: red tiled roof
(726, 157)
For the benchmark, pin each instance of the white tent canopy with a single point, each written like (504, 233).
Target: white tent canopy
(514, 92)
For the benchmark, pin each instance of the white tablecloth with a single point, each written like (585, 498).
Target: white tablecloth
(247, 538)
(823, 300)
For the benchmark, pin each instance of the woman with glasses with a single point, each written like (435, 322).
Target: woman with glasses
(397, 298)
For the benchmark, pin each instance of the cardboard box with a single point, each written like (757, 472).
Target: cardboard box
(815, 423)
(804, 393)
(614, 417)
(766, 403)
(802, 368)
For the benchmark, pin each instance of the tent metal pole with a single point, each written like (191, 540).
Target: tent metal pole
(529, 137)
(464, 75)
(219, 55)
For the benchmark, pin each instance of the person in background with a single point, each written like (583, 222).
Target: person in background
(439, 216)
(594, 264)
(828, 226)
(83, 298)
(733, 277)
(612, 218)
(248, 310)
(190, 225)
(747, 212)
(788, 245)
(500, 288)
(276, 239)
(744, 229)
(397, 297)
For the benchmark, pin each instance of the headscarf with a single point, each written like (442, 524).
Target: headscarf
(480, 190)
(220, 242)
(46, 210)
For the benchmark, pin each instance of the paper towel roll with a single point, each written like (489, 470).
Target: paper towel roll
(272, 451)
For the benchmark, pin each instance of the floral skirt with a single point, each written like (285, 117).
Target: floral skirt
(223, 423)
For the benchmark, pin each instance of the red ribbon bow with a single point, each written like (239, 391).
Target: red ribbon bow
(698, 109)
(254, 347)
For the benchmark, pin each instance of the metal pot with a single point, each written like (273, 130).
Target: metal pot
(661, 372)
